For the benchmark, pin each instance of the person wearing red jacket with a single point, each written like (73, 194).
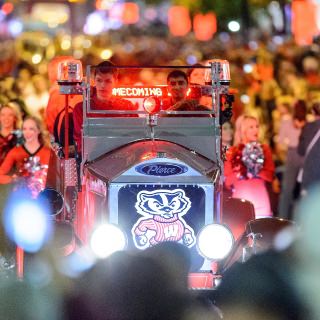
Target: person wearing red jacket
(249, 166)
(105, 78)
(10, 121)
(14, 163)
(14, 168)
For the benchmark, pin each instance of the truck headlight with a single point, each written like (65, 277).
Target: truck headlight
(107, 239)
(215, 241)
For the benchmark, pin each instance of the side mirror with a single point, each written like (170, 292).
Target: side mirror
(54, 198)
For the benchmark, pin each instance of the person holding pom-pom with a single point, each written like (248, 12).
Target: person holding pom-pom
(249, 166)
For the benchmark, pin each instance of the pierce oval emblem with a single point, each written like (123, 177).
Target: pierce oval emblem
(161, 169)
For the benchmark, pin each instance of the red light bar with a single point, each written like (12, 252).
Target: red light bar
(139, 92)
(194, 91)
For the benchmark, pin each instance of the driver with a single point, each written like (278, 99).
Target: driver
(104, 78)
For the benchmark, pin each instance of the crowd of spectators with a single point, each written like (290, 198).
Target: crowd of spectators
(279, 87)
(269, 79)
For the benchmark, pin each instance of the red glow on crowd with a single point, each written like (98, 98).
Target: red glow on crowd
(204, 26)
(304, 21)
(7, 8)
(130, 13)
(179, 21)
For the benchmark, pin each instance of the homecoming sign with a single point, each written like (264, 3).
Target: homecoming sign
(126, 92)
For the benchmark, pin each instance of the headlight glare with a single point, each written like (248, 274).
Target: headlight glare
(107, 239)
(215, 241)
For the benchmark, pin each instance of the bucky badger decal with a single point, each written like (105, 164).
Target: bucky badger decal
(162, 212)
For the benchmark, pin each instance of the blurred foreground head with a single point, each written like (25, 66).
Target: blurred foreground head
(261, 288)
(175, 260)
(128, 286)
(28, 299)
(307, 250)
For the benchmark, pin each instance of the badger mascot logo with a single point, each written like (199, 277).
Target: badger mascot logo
(162, 212)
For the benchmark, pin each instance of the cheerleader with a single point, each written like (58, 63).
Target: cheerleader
(249, 166)
(25, 165)
(14, 164)
(10, 122)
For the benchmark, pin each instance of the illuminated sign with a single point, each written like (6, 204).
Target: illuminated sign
(161, 169)
(194, 91)
(161, 220)
(151, 199)
(139, 92)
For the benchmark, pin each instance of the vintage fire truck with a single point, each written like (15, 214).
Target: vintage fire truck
(156, 176)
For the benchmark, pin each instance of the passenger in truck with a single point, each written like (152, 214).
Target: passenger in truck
(179, 100)
(178, 87)
(105, 78)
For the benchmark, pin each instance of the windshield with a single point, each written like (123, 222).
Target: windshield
(167, 91)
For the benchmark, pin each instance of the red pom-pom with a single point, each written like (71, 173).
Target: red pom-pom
(236, 162)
